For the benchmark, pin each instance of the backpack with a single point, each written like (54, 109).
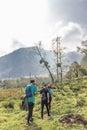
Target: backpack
(24, 103)
(44, 98)
(28, 92)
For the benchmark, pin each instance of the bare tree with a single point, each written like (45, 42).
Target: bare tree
(43, 61)
(58, 51)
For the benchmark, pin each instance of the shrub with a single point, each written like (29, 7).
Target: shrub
(9, 105)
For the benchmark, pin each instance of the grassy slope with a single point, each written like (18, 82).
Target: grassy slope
(69, 97)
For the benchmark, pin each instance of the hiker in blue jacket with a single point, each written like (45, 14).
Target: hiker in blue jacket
(31, 99)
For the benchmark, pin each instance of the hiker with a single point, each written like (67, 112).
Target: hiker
(44, 100)
(50, 96)
(30, 89)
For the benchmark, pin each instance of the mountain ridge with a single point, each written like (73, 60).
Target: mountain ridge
(25, 62)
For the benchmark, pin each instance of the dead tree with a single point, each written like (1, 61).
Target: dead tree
(43, 61)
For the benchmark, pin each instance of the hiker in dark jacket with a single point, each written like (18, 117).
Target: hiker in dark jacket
(44, 100)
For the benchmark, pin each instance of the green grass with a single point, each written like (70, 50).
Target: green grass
(70, 98)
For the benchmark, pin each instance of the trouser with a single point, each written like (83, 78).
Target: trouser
(30, 111)
(49, 104)
(42, 108)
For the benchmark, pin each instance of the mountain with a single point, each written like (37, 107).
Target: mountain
(70, 57)
(20, 63)
(25, 62)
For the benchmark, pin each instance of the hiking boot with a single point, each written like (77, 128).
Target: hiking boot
(49, 115)
(42, 118)
(31, 119)
(30, 122)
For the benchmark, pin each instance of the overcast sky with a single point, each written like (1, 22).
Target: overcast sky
(26, 22)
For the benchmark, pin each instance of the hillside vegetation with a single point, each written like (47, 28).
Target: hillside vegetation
(70, 97)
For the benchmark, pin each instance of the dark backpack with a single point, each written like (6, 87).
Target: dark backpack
(44, 96)
(28, 92)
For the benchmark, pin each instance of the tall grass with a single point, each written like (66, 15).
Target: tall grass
(69, 97)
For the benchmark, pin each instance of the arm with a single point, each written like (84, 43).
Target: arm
(35, 90)
(48, 96)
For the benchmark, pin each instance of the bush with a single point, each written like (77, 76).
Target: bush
(9, 105)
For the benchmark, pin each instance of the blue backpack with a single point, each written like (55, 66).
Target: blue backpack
(28, 92)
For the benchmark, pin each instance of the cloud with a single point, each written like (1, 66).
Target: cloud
(69, 10)
(71, 34)
(17, 44)
(31, 21)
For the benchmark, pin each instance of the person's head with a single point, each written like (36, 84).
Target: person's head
(50, 86)
(32, 81)
(45, 85)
